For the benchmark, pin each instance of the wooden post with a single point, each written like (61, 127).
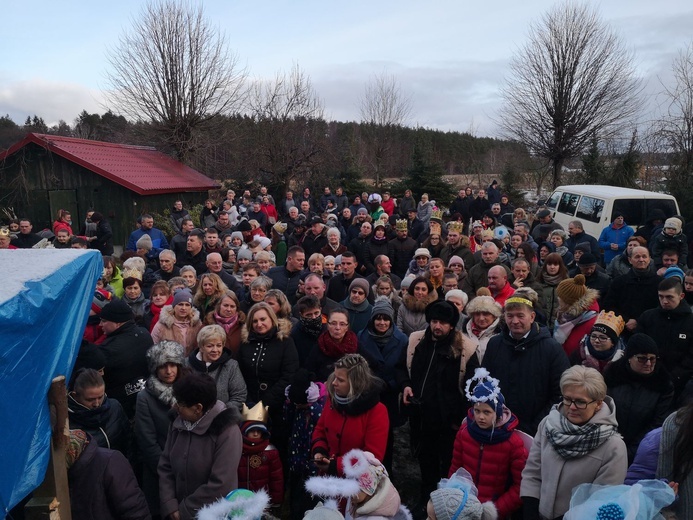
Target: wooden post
(51, 499)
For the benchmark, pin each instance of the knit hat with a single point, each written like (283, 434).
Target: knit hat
(673, 223)
(244, 254)
(302, 389)
(587, 259)
(249, 426)
(361, 283)
(182, 296)
(237, 234)
(454, 259)
(338, 260)
(362, 211)
(487, 390)
(584, 247)
(100, 299)
(641, 344)
(165, 352)
(117, 311)
(610, 324)
(422, 251)
(456, 498)
(477, 223)
(264, 242)
(675, 271)
(484, 304)
(244, 225)
(144, 242)
(89, 356)
(572, 289)
(406, 282)
(382, 305)
(442, 311)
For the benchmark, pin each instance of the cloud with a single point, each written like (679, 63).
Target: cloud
(50, 100)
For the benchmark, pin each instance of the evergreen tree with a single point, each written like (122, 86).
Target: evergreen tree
(626, 170)
(426, 176)
(595, 170)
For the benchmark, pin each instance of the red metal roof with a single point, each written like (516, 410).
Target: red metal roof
(141, 169)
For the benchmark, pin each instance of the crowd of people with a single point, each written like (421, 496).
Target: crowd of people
(272, 343)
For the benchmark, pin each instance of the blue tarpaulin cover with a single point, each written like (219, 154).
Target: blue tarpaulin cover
(45, 297)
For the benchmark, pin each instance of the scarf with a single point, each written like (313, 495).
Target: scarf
(500, 432)
(312, 326)
(161, 391)
(226, 323)
(75, 447)
(561, 331)
(554, 279)
(572, 441)
(380, 339)
(336, 349)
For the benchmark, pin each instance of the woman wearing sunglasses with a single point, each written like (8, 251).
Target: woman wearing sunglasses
(642, 390)
(576, 443)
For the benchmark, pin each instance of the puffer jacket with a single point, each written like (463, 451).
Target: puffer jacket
(261, 468)
(551, 478)
(642, 402)
(267, 365)
(166, 328)
(411, 314)
(496, 468)
(361, 424)
(108, 425)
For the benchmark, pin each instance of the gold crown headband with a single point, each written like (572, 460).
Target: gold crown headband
(517, 299)
(4, 232)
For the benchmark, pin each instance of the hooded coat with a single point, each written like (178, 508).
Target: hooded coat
(166, 328)
(529, 371)
(411, 315)
(551, 478)
(200, 465)
(103, 485)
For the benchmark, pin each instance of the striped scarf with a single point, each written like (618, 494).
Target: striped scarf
(572, 441)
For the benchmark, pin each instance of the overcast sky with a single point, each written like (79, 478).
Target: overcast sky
(449, 56)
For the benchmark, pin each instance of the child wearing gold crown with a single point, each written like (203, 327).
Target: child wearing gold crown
(260, 466)
(603, 345)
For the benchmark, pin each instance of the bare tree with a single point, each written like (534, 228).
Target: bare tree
(290, 127)
(572, 80)
(383, 108)
(174, 70)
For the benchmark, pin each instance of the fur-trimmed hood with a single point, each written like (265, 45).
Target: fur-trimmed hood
(414, 305)
(167, 318)
(283, 330)
(582, 304)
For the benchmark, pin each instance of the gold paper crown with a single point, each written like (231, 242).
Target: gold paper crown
(455, 226)
(5, 231)
(611, 320)
(437, 214)
(401, 224)
(256, 413)
(132, 273)
(434, 228)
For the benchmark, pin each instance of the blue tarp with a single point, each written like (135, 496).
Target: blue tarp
(45, 297)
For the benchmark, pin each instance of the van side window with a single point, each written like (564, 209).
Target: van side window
(553, 201)
(568, 203)
(632, 209)
(590, 209)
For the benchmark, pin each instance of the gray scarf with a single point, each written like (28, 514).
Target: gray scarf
(572, 441)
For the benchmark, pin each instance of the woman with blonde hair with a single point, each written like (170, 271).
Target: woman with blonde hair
(209, 289)
(280, 305)
(228, 315)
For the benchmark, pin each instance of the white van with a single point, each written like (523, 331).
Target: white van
(594, 206)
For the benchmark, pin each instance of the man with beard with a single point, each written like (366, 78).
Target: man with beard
(457, 246)
(429, 376)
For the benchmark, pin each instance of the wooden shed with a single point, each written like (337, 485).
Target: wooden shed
(44, 173)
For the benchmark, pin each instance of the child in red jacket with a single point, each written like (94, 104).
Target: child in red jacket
(489, 448)
(260, 466)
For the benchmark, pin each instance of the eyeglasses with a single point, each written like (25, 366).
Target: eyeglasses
(579, 403)
(357, 291)
(599, 337)
(646, 359)
(339, 324)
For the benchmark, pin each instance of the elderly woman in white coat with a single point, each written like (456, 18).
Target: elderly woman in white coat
(482, 323)
(576, 443)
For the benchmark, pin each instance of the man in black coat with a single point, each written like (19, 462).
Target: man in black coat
(401, 249)
(338, 287)
(195, 255)
(578, 236)
(635, 292)
(125, 349)
(26, 238)
(286, 277)
(594, 278)
(528, 362)
(103, 240)
(670, 325)
(479, 205)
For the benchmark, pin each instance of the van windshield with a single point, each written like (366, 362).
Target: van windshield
(590, 208)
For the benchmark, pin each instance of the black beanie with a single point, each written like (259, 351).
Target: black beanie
(117, 311)
(442, 311)
(641, 344)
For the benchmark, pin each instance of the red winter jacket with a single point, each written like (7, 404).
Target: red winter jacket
(492, 466)
(261, 468)
(362, 424)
